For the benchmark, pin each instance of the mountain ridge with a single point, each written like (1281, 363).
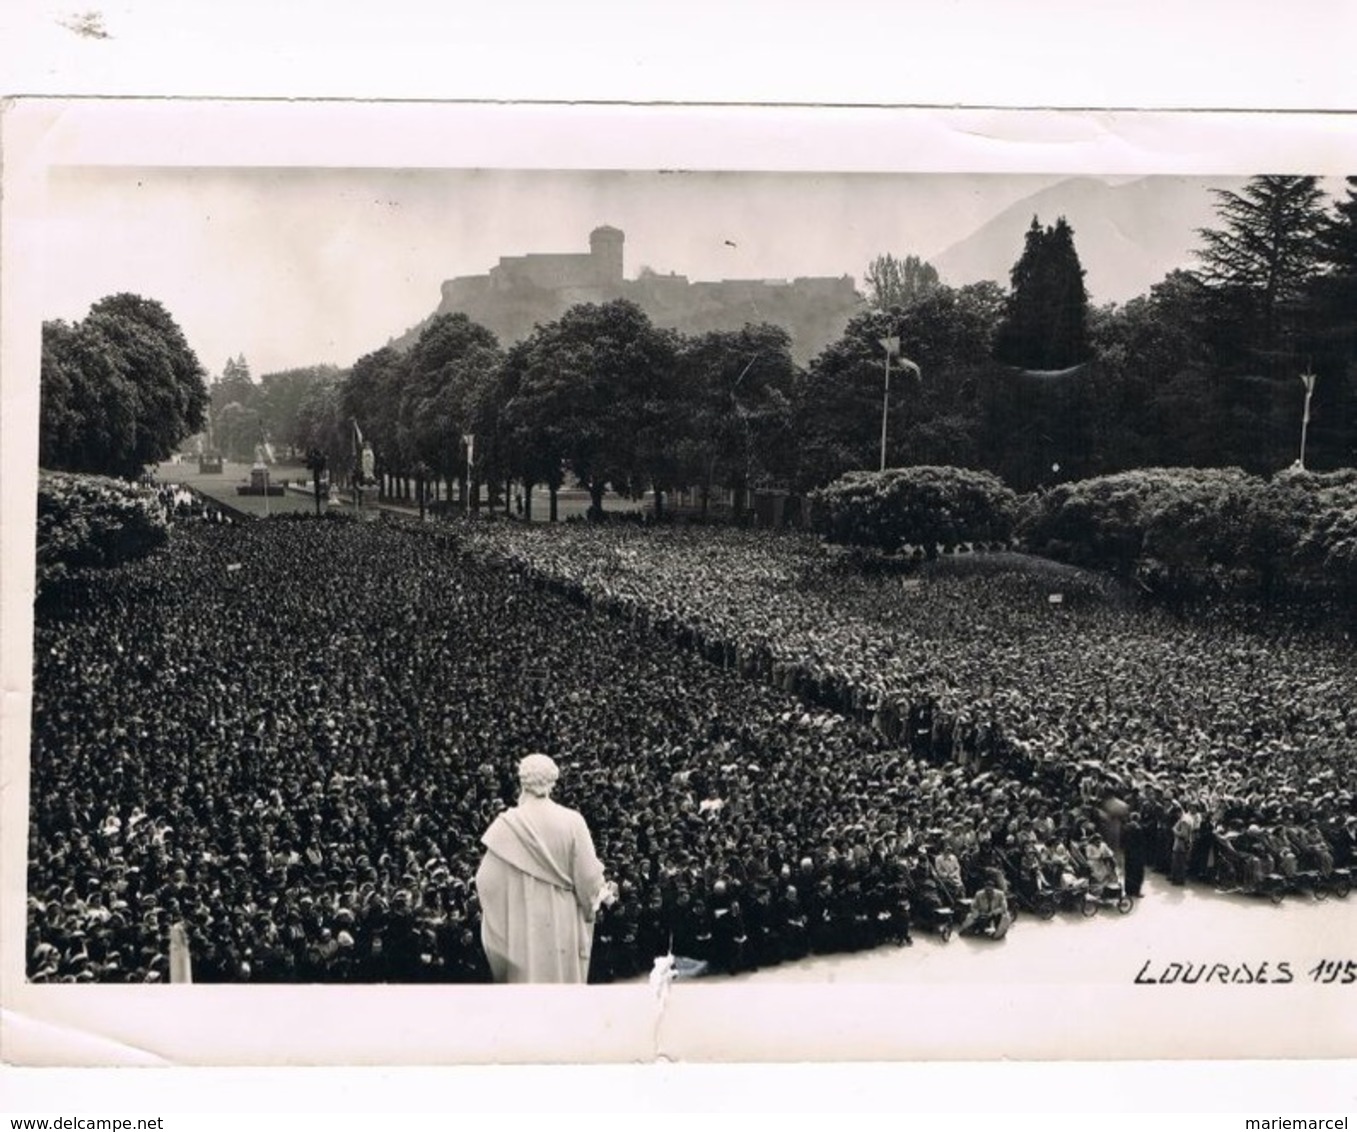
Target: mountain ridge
(1128, 235)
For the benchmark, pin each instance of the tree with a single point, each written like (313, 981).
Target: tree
(893, 282)
(120, 390)
(535, 453)
(451, 375)
(1328, 545)
(370, 396)
(1155, 401)
(1185, 530)
(1337, 255)
(69, 396)
(234, 388)
(1255, 291)
(1176, 528)
(237, 431)
(1259, 263)
(1045, 323)
(279, 400)
(837, 404)
(1333, 432)
(597, 385)
(321, 425)
(237, 371)
(738, 388)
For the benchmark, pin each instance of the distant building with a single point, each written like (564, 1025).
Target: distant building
(521, 291)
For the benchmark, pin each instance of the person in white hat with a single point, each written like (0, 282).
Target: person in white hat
(540, 885)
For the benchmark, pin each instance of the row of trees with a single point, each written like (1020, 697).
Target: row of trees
(600, 393)
(242, 410)
(1028, 383)
(1204, 371)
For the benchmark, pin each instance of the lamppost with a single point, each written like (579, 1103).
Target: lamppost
(364, 465)
(1308, 379)
(316, 461)
(421, 471)
(473, 500)
(892, 347)
(746, 495)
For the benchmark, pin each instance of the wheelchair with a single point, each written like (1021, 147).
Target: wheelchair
(988, 927)
(933, 912)
(1028, 892)
(1248, 874)
(1109, 894)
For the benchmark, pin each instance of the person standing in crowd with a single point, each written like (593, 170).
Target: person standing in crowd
(1102, 864)
(1133, 844)
(1183, 830)
(540, 885)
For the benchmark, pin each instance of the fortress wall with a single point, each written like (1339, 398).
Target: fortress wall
(549, 271)
(525, 290)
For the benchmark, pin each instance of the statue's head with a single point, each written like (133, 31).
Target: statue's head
(537, 774)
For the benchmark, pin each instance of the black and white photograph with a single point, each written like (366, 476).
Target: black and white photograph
(746, 600)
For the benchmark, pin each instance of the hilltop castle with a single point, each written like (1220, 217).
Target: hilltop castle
(521, 291)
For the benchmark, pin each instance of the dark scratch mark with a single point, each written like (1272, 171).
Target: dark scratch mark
(88, 24)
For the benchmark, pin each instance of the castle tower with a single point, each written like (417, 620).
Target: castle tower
(605, 248)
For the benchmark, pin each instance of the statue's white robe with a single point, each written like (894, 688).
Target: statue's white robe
(539, 886)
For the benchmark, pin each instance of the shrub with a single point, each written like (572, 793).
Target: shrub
(929, 507)
(93, 521)
(1190, 529)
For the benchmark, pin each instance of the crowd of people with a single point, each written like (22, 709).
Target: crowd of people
(1223, 711)
(180, 504)
(289, 737)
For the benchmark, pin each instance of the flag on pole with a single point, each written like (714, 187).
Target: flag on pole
(892, 347)
(469, 439)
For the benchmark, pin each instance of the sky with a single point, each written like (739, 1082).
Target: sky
(294, 267)
(314, 232)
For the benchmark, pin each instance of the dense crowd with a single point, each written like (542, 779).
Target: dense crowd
(1229, 731)
(288, 736)
(1225, 711)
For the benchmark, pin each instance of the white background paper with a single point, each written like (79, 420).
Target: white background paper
(1208, 56)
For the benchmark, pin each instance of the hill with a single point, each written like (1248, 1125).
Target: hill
(1129, 235)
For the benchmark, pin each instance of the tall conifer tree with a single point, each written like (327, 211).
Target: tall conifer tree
(1259, 263)
(1045, 323)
